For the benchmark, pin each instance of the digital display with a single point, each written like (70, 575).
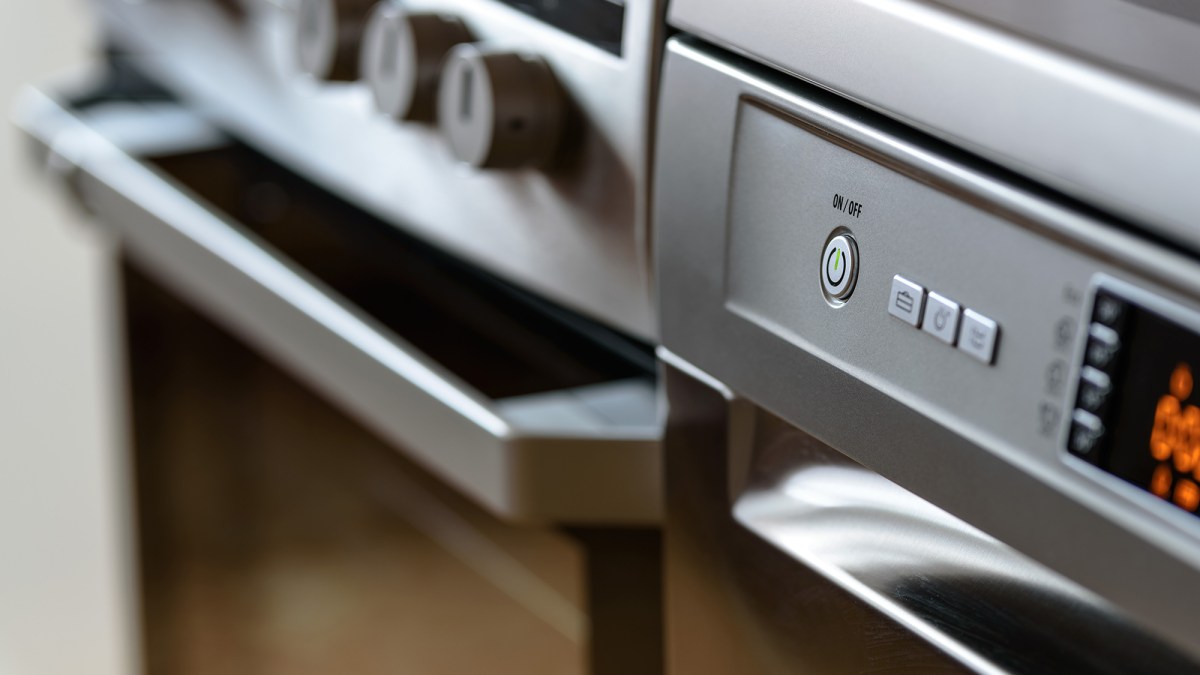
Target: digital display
(1155, 442)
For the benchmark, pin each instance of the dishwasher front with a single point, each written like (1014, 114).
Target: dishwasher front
(925, 414)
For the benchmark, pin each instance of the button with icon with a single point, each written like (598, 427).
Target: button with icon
(839, 268)
(1103, 347)
(1109, 310)
(978, 336)
(1087, 436)
(946, 320)
(906, 301)
(941, 318)
(1094, 393)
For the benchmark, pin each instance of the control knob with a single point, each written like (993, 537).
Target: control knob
(402, 59)
(327, 37)
(501, 109)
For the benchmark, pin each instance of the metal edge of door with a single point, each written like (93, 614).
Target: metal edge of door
(559, 473)
(936, 69)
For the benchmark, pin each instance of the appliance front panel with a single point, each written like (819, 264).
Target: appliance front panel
(952, 365)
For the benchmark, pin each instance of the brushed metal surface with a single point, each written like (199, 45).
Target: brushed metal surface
(1111, 115)
(745, 186)
(576, 234)
(784, 556)
(1148, 39)
(579, 456)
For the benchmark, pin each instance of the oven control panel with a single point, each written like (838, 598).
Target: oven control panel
(1033, 344)
(514, 135)
(1025, 364)
(1135, 416)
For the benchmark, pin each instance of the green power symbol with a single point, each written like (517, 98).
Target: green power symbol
(839, 268)
(835, 257)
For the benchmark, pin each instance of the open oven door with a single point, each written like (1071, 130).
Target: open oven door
(527, 418)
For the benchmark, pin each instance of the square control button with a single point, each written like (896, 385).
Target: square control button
(1103, 347)
(978, 336)
(906, 301)
(941, 318)
(1086, 437)
(1109, 310)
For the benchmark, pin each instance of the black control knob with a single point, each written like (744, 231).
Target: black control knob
(328, 35)
(402, 59)
(501, 109)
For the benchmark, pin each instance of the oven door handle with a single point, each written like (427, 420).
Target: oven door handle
(548, 458)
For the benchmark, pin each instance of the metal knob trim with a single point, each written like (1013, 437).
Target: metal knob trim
(327, 35)
(501, 109)
(402, 59)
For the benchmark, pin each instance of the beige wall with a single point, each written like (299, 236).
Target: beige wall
(64, 606)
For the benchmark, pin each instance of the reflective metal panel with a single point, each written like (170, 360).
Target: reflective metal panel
(784, 556)
(1096, 98)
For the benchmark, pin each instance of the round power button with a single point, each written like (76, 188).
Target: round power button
(839, 268)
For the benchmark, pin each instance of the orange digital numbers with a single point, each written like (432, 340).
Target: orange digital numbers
(1187, 495)
(1163, 480)
(1175, 443)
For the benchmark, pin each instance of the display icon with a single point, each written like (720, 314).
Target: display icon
(1091, 398)
(1109, 311)
(906, 301)
(1056, 377)
(835, 263)
(1103, 346)
(1083, 440)
(1048, 416)
(1064, 331)
(941, 318)
(978, 337)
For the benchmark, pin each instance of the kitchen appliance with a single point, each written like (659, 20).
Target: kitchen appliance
(301, 85)
(537, 417)
(434, 216)
(928, 292)
(320, 85)
(926, 302)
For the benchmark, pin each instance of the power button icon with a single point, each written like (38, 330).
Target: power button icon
(839, 268)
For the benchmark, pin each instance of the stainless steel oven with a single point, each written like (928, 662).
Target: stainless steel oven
(344, 421)
(434, 215)
(926, 412)
(758, 336)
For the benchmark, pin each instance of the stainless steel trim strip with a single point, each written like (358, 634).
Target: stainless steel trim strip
(1090, 132)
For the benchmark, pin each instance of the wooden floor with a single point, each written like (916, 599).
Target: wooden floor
(279, 537)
